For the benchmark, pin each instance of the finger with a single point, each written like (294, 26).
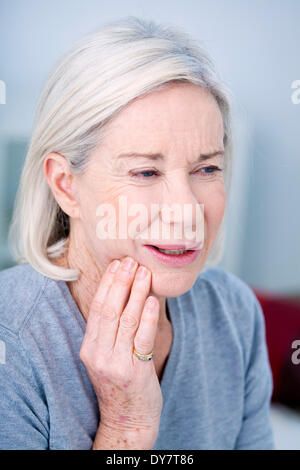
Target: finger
(145, 336)
(114, 303)
(99, 298)
(130, 318)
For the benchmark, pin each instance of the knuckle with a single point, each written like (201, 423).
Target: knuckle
(83, 355)
(123, 281)
(98, 366)
(128, 321)
(143, 344)
(97, 304)
(139, 290)
(108, 313)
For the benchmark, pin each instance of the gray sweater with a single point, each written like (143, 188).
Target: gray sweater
(216, 385)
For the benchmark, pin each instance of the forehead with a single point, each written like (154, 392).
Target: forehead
(180, 114)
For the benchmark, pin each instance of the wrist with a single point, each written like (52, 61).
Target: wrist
(119, 438)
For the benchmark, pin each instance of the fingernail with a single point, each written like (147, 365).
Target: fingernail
(114, 266)
(128, 264)
(151, 303)
(141, 273)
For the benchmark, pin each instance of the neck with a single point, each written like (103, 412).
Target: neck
(83, 290)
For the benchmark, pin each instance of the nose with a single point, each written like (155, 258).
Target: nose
(181, 210)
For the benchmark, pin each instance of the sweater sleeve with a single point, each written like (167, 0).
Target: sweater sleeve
(256, 431)
(22, 408)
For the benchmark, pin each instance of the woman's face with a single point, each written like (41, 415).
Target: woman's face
(179, 123)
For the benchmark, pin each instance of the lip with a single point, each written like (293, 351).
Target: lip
(183, 246)
(174, 260)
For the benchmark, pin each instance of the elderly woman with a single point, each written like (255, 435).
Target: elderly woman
(129, 339)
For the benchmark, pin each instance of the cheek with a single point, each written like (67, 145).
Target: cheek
(214, 207)
(109, 211)
(96, 193)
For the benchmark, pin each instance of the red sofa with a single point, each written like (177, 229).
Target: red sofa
(282, 320)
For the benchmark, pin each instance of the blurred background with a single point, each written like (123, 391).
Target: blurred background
(255, 45)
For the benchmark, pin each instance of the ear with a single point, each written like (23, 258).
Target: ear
(61, 182)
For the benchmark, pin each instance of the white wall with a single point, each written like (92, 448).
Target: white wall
(255, 44)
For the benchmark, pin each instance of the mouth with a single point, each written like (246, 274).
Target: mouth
(171, 251)
(177, 255)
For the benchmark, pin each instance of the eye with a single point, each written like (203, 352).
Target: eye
(212, 170)
(147, 174)
(144, 174)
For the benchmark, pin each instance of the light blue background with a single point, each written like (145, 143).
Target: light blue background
(255, 45)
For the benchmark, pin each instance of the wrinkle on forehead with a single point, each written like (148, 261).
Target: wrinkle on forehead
(180, 121)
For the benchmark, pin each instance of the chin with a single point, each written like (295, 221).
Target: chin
(172, 284)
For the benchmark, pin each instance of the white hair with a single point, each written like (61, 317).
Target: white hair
(102, 73)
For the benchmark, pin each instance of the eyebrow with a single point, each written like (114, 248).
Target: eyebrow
(160, 156)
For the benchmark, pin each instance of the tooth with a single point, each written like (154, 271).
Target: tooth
(172, 252)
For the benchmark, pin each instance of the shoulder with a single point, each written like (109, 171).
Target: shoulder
(219, 281)
(20, 286)
(22, 398)
(231, 302)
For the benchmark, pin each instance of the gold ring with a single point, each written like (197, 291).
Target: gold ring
(143, 357)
